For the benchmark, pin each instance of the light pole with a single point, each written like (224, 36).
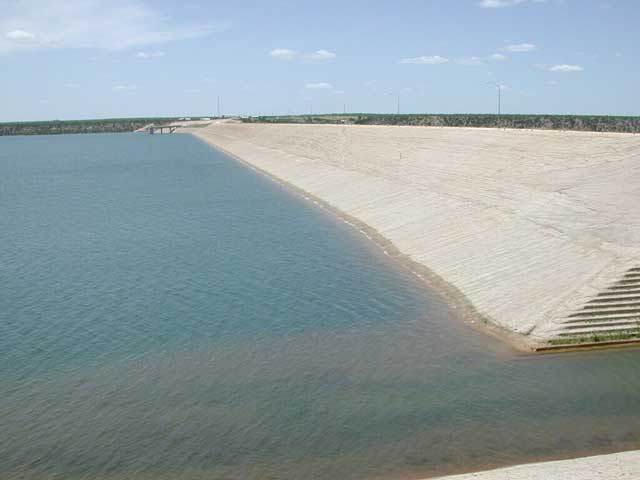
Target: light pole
(499, 88)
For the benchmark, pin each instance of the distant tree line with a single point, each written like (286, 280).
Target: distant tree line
(110, 125)
(592, 123)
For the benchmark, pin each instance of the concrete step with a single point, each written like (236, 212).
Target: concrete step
(606, 317)
(627, 282)
(612, 304)
(614, 290)
(618, 287)
(616, 310)
(591, 325)
(601, 319)
(605, 311)
(622, 287)
(603, 297)
(628, 299)
(626, 278)
(633, 278)
(602, 330)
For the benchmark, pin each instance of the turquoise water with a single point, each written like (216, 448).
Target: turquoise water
(168, 313)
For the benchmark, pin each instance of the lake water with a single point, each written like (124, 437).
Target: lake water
(166, 313)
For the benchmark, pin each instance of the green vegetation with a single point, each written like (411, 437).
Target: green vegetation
(596, 337)
(593, 123)
(79, 126)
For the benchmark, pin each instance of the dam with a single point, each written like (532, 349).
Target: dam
(534, 234)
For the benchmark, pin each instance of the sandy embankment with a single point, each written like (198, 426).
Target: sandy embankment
(526, 226)
(616, 466)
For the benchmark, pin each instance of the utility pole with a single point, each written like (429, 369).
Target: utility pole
(344, 108)
(398, 109)
(218, 106)
(499, 88)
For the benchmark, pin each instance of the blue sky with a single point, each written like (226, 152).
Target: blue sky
(92, 58)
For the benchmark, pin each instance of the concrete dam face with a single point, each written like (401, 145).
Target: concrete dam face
(537, 230)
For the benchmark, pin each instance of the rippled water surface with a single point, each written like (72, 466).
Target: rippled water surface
(166, 313)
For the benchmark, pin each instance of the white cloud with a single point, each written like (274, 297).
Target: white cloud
(318, 86)
(208, 80)
(499, 3)
(97, 24)
(469, 61)
(425, 60)
(320, 55)
(125, 88)
(566, 68)
(283, 53)
(498, 57)
(370, 83)
(149, 54)
(192, 90)
(520, 47)
(20, 36)
(552, 82)
(288, 54)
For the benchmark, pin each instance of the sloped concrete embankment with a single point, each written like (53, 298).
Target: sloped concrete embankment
(538, 231)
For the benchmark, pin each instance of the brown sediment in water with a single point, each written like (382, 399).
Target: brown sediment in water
(617, 464)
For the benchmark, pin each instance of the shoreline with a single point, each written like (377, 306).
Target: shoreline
(610, 466)
(456, 300)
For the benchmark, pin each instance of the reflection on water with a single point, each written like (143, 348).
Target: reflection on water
(169, 314)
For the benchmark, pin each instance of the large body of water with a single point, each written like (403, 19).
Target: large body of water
(166, 313)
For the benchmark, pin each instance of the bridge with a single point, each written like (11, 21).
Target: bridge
(152, 129)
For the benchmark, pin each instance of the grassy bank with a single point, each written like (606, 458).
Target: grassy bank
(596, 337)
